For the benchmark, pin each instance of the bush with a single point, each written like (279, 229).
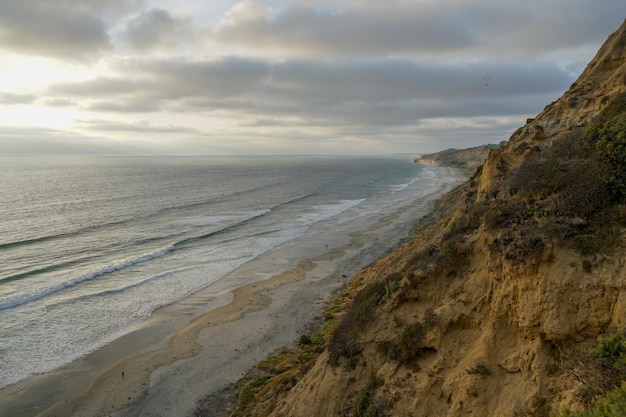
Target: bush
(479, 369)
(607, 236)
(611, 405)
(604, 374)
(305, 340)
(563, 192)
(251, 389)
(343, 341)
(612, 348)
(411, 342)
(423, 258)
(408, 347)
(364, 404)
(365, 301)
(606, 141)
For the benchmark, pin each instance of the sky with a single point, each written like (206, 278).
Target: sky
(214, 77)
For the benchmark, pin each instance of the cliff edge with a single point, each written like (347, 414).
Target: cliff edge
(497, 307)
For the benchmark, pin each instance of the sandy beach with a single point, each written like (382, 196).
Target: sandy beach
(170, 364)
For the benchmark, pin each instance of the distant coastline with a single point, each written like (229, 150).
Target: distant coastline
(468, 160)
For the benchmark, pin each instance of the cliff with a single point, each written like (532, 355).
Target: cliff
(465, 159)
(497, 306)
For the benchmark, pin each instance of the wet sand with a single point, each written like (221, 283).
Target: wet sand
(169, 364)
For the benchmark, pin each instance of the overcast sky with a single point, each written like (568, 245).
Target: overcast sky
(285, 77)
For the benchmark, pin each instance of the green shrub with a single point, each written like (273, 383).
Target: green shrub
(343, 343)
(479, 369)
(305, 340)
(468, 222)
(363, 306)
(407, 347)
(251, 389)
(612, 348)
(423, 259)
(611, 405)
(343, 339)
(565, 192)
(606, 375)
(454, 254)
(411, 342)
(364, 404)
(605, 237)
(606, 141)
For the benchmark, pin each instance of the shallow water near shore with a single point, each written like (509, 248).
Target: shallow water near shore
(222, 250)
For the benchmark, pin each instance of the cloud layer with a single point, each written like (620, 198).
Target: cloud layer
(298, 76)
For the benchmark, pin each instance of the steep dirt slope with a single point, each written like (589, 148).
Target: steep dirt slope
(496, 307)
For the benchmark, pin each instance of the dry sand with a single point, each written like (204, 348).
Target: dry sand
(270, 311)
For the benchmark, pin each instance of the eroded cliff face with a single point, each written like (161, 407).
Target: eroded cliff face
(493, 332)
(603, 78)
(495, 343)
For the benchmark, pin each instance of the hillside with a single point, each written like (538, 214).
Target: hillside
(465, 159)
(511, 299)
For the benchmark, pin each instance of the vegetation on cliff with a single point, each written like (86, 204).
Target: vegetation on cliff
(511, 299)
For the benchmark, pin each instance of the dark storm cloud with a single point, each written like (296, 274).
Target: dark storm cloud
(71, 29)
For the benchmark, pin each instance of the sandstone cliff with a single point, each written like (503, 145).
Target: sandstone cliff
(496, 307)
(466, 159)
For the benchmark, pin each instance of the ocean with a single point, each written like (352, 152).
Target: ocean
(91, 246)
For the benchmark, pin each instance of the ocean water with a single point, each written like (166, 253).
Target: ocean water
(92, 246)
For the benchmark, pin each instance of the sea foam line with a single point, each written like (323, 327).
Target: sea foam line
(27, 298)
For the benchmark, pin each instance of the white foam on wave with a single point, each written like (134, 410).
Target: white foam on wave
(46, 287)
(216, 220)
(323, 212)
(94, 320)
(103, 313)
(400, 187)
(98, 318)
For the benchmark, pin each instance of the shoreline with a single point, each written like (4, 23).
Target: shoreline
(245, 319)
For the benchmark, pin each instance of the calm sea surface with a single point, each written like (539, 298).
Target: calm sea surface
(91, 246)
